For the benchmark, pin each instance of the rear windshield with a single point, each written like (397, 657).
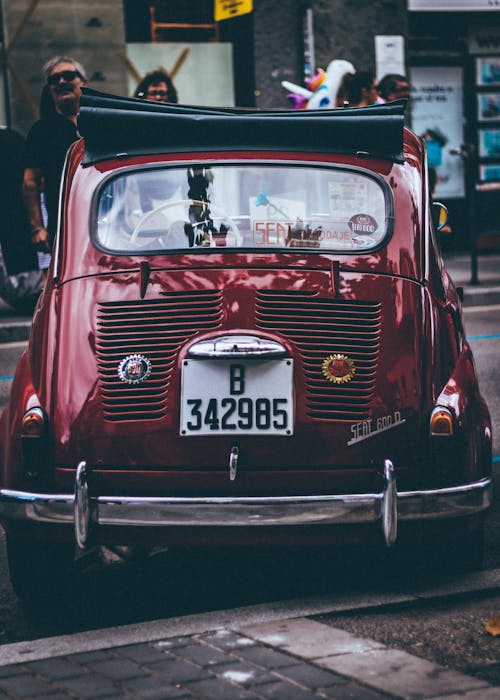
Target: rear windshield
(249, 206)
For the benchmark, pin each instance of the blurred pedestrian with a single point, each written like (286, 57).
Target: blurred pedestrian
(20, 278)
(157, 86)
(357, 90)
(393, 86)
(46, 145)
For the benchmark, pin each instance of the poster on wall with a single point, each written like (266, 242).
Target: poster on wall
(489, 143)
(489, 173)
(204, 74)
(453, 5)
(488, 71)
(437, 115)
(488, 106)
(389, 55)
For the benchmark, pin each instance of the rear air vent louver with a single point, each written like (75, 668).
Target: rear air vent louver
(154, 328)
(321, 327)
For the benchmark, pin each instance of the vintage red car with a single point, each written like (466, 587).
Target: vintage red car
(248, 337)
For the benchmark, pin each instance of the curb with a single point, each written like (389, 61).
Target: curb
(263, 651)
(15, 331)
(236, 618)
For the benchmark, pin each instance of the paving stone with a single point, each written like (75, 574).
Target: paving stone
(25, 686)
(178, 670)
(226, 639)
(400, 673)
(58, 667)
(350, 691)
(268, 658)
(286, 691)
(117, 669)
(202, 654)
(88, 686)
(12, 670)
(153, 688)
(149, 685)
(173, 642)
(243, 674)
(165, 694)
(309, 639)
(117, 696)
(311, 676)
(141, 653)
(491, 693)
(86, 656)
(216, 689)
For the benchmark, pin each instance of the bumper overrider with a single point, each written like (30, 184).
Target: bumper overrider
(86, 511)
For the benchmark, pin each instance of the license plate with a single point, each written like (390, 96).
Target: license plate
(240, 397)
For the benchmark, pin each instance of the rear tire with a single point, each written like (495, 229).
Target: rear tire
(434, 553)
(461, 554)
(40, 570)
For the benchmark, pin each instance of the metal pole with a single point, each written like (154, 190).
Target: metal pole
(4, 68)
(470, 163)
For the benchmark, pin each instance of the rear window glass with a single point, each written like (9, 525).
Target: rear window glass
(250, 206)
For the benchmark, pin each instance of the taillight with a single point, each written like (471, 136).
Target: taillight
(441, 423)
(33, 423)
(34, 429)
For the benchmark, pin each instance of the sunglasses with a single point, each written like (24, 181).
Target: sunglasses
(157, 93)
(66, 75)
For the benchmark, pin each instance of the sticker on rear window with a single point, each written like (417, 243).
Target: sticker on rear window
(362, 224)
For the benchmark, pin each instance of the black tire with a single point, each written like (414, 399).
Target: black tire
(460, 554)
(437, 553)
(40, 571)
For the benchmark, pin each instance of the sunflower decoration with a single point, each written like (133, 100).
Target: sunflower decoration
(338, 368)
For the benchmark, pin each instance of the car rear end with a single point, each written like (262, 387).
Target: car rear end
(244, 351)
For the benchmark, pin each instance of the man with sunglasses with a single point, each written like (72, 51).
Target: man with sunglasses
(47, 143)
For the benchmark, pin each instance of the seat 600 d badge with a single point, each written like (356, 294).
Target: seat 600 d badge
(134, 369)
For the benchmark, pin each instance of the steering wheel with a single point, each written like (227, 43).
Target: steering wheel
(225, 218)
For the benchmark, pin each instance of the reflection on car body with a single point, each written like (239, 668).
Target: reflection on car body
(248, 337)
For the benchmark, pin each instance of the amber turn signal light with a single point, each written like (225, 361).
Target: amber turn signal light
(441, 422)
(33, 423)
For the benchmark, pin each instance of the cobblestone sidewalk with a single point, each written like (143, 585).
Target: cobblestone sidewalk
(297, 659)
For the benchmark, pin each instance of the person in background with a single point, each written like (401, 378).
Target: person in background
(393, 86)
(357, 89)
(157, 86)
(46, 145)
(20, 277)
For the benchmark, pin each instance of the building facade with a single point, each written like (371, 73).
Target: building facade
(449, 49)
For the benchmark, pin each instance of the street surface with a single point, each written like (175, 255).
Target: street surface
(171, 585)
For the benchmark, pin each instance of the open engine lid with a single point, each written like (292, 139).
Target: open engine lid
(115, 126)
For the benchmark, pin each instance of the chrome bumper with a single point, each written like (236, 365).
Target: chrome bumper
(86, 512)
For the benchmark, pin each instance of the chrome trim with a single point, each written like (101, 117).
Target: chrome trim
(82, 506)
(389, 505)
(233, 462)
(237, 345)
(224, 512)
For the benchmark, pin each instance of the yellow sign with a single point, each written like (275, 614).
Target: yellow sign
(225, 9)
